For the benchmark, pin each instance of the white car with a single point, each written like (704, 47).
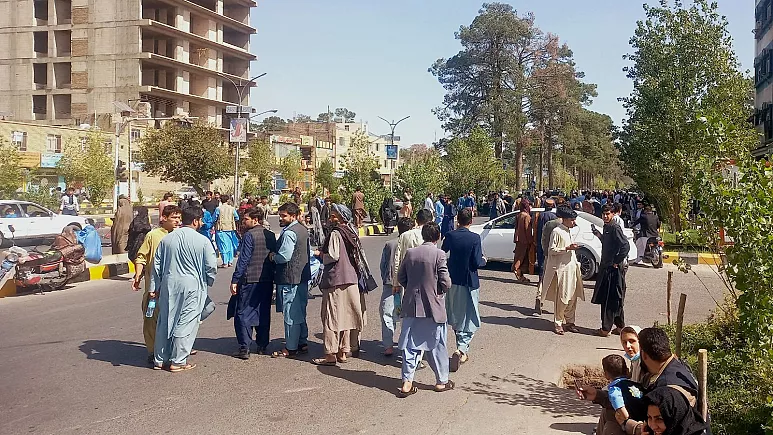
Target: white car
(497, 240)
(32, 221)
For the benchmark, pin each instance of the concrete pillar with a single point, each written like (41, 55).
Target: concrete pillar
(219, 7)
(183, 20)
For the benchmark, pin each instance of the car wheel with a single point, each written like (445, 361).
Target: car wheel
(588, 266)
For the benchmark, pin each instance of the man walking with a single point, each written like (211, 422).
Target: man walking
(562, 273)
(225, 218)
(466, 256)
(439, 208)
(388, 306)
(610, 285)
(292, 276)
(266, 207)
(649, 224)
(183, 267)
(358, 206)
(169, 220)
(410, 239)
(210, 203)
(253, 284)
(429, 204)
(546, 223)
(69, 203)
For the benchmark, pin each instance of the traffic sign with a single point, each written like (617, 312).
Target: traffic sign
(233, 110)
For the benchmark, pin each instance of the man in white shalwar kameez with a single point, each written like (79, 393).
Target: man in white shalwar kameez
(184, 266)
(562, 273)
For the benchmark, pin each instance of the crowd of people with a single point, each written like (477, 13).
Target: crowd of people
(430, 281)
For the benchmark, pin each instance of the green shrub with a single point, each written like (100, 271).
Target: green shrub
(740, 385)
(42, 197)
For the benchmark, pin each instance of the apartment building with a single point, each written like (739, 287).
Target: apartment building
(763, 76)
(65, 62)
(346, 131)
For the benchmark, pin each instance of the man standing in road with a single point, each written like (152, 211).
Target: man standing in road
(466, 256)
(358, 206)
(169, 220)
(210, 203)
(429, 204)
(292, 276)
(546, 223)
(69, 203)
(409, 239)
(562, 273)
(649, 224)
(266, 208)
(183, 267)
(439, 208)
(610, 285)
(253, 284)
(469, 202)
(225, 218)
(164, 202)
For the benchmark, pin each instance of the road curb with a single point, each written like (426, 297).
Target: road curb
(694, 258)
(110, 266)
(371, 230)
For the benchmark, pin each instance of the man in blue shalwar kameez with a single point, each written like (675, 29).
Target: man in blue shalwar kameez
(225, 219)
(253, 283)
(183, 267)
(466, 256)
(292, 276)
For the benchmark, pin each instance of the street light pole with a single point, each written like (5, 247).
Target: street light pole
(392, 126)
(240, 88)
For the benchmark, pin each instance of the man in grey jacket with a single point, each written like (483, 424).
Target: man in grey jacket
(424, 276)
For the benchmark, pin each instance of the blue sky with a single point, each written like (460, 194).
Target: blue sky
(372, 56)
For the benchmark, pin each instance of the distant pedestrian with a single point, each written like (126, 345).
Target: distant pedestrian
(342, 302)
(449, 215)
(439, 208)
(266, 207)
(429, 204)
(523, 238)
(297, 195)
(252, 285)
(139, 227)
(143, 269)
(424, 275)
(292, 276)
(210, 203)
(563, 279)
(465, 257)
(390, 301)
(225, 231)
(119, 232)
(69, 203)
(358, 206)
(184, 267)
(168, 200)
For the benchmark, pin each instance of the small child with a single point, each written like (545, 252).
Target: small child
(389, 307)
(625, 395)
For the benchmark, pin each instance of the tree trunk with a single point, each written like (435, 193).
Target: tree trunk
(551, 176)
(538, 172)
(518, 164)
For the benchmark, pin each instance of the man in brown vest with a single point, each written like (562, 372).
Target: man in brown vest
(225, 231)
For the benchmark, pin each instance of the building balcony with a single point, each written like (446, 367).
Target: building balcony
(209, 13)
(174, 32)
(175, 95)
(174, 63)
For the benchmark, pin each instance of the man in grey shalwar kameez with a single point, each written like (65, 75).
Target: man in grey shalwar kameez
(184, 266)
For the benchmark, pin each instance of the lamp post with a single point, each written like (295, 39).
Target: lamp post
(240, 88)
(392, 126)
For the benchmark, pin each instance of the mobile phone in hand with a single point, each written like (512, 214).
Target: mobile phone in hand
(578, 388)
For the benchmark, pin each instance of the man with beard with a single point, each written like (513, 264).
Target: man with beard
(610, 285)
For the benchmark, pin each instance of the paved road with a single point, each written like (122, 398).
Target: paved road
(73, 362)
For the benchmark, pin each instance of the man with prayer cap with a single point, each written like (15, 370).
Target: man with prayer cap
(563, 279)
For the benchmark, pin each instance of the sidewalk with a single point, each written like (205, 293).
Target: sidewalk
(694, 258)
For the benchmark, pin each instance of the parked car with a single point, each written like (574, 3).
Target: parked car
(187, 192)
(497, 240)
(32, 221)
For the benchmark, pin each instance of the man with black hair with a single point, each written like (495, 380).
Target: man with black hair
(292, 276)
(609, 291)
(410, 239)
(183, 267)
(466, 256)
(225, 219)
(389, 300)
(210, 203)
(253, 284)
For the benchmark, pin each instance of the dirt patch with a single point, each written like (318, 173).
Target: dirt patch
(585, 375)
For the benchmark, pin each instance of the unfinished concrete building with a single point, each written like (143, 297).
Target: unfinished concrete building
(65, 62)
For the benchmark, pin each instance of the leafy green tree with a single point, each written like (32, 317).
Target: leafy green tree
(421, 171)
(260, 164)
(470, 165)
(682, 67)
(89, 164)
(300, 118)
(361, 167)
(11, 176)
(346, 114)
(325, 176)
(325, 117)
(190, 155)
(290, 168)
(272, 124)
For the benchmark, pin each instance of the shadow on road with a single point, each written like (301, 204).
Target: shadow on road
(509, 307)
(519, 390)
(535, 323)
(365, 378)
(116, 352)
(583, 428)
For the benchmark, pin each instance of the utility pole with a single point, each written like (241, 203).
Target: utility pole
(392, 126)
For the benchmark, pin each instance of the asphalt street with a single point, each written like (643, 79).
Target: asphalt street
(73, 362)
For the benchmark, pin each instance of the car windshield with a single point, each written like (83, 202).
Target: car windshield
(34, 210)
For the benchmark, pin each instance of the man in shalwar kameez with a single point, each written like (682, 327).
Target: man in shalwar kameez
(225, 219)
(563, 278)
(610, 285)
(183, 267)
(466, 256)
(292, 276)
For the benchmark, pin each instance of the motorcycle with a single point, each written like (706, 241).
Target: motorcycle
(43, 271)
(653, 253)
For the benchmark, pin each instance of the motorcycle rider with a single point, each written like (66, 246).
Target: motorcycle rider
(649, 225)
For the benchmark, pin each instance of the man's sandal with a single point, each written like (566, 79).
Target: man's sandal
(403, 394)
(448, 386)
(282, 354)
(177, 369)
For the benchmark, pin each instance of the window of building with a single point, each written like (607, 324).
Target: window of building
(346, 127)
(342, 142)
(393, 164)
(376, 147)
(386, 165)
(54, 143)
(135, 134)
(19, 140)
(83, 140)
(136, 156)
(109, 147)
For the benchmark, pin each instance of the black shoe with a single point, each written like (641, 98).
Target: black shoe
(453, 364)
(356, 353)
(242, 354)
(537, 307)
(151, 361)
(261, 351)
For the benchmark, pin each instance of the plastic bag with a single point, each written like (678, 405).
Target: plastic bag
(89, 238)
